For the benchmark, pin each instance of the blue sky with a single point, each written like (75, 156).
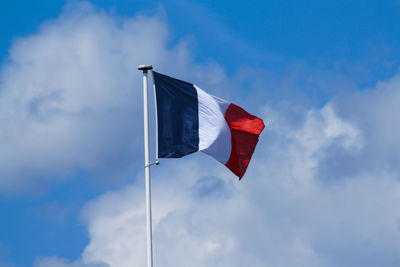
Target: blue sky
(322, 188)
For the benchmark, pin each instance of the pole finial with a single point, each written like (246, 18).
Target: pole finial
(145, 68)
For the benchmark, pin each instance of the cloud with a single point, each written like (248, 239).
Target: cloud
(70, 95)
(283, 213)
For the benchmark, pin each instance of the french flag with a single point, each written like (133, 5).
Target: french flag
(191, 120)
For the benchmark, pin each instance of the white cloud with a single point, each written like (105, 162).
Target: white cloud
(280, 214)
(70, 95)
(283, 213)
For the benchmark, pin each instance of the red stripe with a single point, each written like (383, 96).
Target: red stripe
(245, 129)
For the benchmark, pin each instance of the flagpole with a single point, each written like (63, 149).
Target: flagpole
(145, 69)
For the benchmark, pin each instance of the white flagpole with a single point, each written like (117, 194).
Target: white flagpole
(145, 69)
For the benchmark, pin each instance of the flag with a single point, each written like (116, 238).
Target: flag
(191, 120)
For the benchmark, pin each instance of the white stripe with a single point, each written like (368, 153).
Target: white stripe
(214, 133)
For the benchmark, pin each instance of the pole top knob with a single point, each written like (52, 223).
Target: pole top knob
(145, 68)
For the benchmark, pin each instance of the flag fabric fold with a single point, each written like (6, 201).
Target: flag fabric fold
(191, 120)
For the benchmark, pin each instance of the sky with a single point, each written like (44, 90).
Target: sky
(323, 186)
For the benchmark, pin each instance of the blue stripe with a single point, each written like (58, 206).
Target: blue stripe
(177, 115)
